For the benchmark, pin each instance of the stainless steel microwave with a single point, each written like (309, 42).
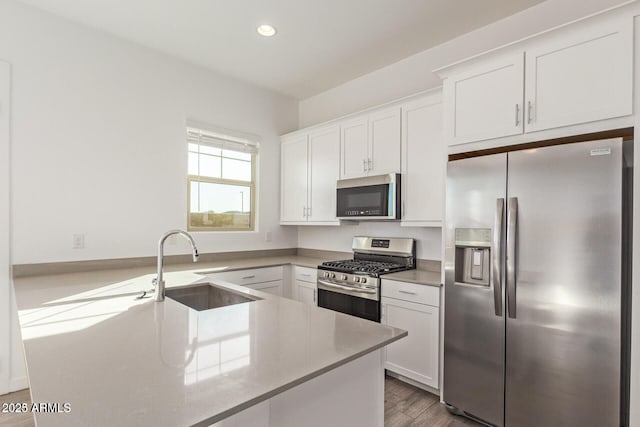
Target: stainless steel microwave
(372, 197)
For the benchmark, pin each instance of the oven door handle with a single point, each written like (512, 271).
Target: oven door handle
(347, 288)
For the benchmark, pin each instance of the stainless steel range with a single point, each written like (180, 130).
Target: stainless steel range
(353, 286)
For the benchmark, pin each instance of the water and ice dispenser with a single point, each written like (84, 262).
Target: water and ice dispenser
(473, 256)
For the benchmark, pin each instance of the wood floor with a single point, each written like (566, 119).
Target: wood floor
(16, 419)
(404, 405)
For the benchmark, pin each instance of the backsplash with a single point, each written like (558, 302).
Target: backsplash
(428, 240)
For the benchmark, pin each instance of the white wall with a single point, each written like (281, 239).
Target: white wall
(5, 254)
(414, 73)
(340, 238)
(99, 147)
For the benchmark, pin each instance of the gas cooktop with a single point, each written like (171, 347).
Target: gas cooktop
(375, 256)
(363, 266)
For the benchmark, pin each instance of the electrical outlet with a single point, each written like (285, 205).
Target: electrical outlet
(267, 236)
(78, 241)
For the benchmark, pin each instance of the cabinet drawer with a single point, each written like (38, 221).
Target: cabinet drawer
(247, 277)
(305, 274)
(411, 292)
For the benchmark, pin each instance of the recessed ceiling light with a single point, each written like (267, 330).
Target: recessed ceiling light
(266, 30)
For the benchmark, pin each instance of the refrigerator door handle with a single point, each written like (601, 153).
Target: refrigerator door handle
(512, 229)
(496, 244)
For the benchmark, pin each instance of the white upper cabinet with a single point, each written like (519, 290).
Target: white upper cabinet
(310, 169)
(384, 142)
(485, 102)
(324, 171)
(293, 197)
(578, 78)
(423, 162)
(581, 73)
(370, 144)
(354, 148)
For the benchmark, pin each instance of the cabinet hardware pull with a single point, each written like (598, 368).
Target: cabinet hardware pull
(308, 212)
(364, 165)
(517, 114)
(407, 292)
(369, 164)
(248, 277)
(305, 275)
(304, 211)
(529, 112)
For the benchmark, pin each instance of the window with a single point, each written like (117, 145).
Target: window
(221, 181)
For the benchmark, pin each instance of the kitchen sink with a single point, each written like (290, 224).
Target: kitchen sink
(205, 296)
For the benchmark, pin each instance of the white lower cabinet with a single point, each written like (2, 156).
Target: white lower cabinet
(306, 290)
(268, 279)
(414, 308)
(274, 287)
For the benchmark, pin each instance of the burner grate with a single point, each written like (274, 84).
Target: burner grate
(364, 266)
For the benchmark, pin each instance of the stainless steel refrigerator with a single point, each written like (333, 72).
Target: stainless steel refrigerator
(537, 282)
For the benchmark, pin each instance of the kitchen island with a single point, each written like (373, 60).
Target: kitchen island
(99, 356)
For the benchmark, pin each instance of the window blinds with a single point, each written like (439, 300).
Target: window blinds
(225, 142)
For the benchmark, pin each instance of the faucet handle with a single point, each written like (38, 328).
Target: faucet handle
(154, 282)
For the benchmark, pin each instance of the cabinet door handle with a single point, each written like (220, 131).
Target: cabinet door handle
(369, 164)
(308, 212)
(530, 107)
(364, 165)
(407, 292)
(517, 114)
(314, 296)
(304, 211)
(305, 275)
(248, 277)
(403, 210)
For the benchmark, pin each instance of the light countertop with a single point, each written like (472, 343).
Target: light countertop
(240, 264)
(420, 277)
(118, 360)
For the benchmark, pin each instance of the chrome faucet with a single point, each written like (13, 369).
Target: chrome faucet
(158, 281)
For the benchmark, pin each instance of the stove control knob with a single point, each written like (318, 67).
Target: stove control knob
(356, 279)
(364, 280)
(326, 274)
(343, 277)
(333, 275)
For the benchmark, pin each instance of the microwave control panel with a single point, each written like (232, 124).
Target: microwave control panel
(366, 212)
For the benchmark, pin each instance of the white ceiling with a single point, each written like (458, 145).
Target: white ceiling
(319, 45)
